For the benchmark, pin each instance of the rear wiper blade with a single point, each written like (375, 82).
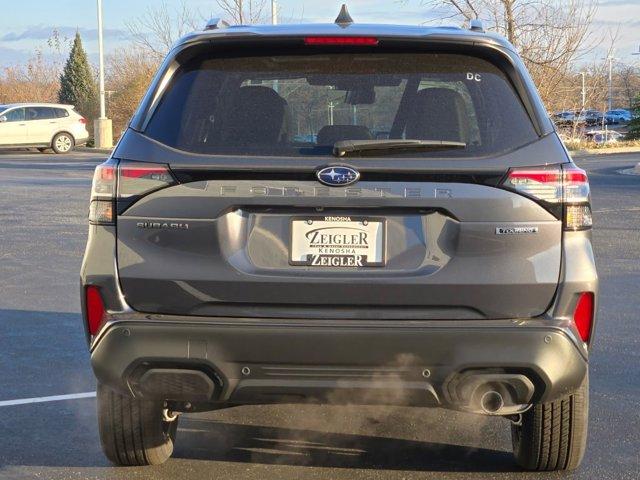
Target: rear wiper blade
(346, 147)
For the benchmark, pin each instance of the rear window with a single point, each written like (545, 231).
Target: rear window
(40, 113)
(295, 105)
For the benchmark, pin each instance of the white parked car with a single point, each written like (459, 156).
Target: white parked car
(604, 136)
(42, 126)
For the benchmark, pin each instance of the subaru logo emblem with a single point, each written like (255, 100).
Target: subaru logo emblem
(338, 176)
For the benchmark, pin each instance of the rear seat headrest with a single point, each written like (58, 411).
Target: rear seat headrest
(256, 118)
(438, 114)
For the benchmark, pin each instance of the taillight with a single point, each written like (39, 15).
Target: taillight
(96, 313)
(576, 198)
(341, 40)
(103, 191)
(563, 188)
(82, 120)
(583, 315)
(139, 179)
(125, 180)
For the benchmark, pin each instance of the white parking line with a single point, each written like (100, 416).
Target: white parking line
(55, 398)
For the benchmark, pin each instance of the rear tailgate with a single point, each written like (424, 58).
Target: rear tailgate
(443, 241)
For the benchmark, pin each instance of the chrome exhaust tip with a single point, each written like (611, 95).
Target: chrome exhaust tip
(491, 402)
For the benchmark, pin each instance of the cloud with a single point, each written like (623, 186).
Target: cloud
(43, 32)
(10, 56)
(614, 23)
(619, 3)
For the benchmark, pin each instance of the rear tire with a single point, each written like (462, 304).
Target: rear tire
(132, 431)
(553, 436)
(63, 143)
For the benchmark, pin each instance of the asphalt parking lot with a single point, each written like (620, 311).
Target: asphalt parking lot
(43, 207)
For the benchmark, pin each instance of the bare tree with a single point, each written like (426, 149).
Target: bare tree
(160, 27)
(628, 77)
(129, 73)
(35, 81)
(38, 78)
(242, 12)
(549, 34)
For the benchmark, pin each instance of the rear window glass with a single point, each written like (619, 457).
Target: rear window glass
(294, 105)
(40, 113)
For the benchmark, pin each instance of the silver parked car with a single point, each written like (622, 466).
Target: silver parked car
(42, 126)
(618, 116)
(448, 264)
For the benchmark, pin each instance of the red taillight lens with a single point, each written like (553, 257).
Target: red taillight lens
(137, 179)
(104, 181)
(583, 315)
(103, 190)
(341, 40)
(566, 186)
(125, 179)
(96, 313)
(576, 185)
(541, 183)
(83, 120)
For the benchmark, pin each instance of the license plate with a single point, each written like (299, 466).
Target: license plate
(337, 241)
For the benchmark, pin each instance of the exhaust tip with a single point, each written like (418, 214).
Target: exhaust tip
(491, 402)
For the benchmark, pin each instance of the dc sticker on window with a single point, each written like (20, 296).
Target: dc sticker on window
(474, 77)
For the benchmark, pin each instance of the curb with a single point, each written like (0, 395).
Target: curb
(635, 171)
(106, 151)
(605, 151)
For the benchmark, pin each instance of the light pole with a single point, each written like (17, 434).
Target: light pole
(331, 107)
(584, 91)
(101, 62)
(102, 126)
(610, 58)
(610, 81)
(274, 21)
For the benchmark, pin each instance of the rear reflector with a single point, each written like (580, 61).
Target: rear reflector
(96, 312)
(341, 41)
(583, 315)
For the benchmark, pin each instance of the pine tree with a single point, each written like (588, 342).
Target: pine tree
(77, 83)
(634, 125)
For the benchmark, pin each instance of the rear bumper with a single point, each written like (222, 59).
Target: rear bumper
(218, 361)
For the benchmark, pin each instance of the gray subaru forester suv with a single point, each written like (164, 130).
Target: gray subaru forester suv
(341, 213)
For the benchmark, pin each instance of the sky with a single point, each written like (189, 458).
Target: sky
(26, 25)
